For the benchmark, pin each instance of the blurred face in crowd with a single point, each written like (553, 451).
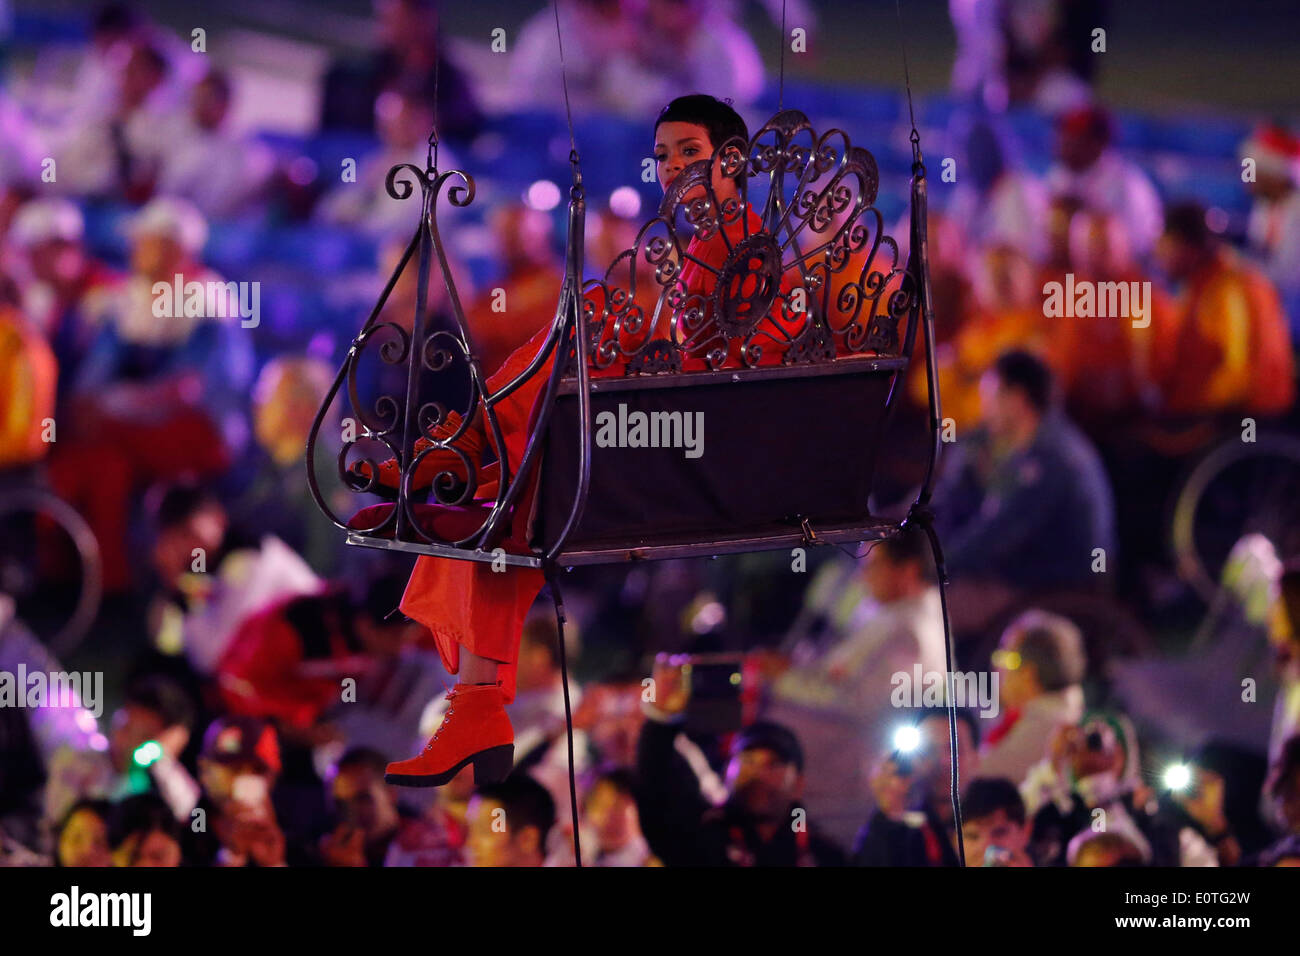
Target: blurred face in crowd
(404, 23)
(1178, 258)
(173, 552)
(218, 778)
(1079, 146)
(285, 400)
(153, 848)
(141, 77)
(611, 717)
(1017, 680)
(402, 122)
(677, 145)
(157, 257)
(133, 725)
(58, 262)
(612, 815)
(997, 830)
(210, 103)
(536, 668)
(762, 783)
(1098, 245)
(1005, 410)
(1092, 750)
(1009, 280)
(491, 841)
(887, 578)
(523, 235)
(932, 762)
(364, 801)
(84, 841)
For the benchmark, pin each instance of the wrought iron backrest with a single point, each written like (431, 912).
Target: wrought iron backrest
(817, 233)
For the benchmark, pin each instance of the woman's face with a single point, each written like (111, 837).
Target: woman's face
(679, 144)
(84, 841)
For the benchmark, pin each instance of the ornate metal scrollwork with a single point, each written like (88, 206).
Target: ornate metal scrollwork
(807, 271)
(410, 427)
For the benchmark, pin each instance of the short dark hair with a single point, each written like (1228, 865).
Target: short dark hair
(163, 696)
(987, 795)
(175, 504)
(1185, 221)
(713, 114)
(142, 814)
(363, 758)
(622, 779)
(526, 802)
(1054, 645)
(1029, 374)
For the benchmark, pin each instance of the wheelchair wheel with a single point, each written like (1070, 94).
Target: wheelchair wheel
(1236, 489)
(22, 512)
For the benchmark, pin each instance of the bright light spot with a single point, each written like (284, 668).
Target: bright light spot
(907, 739)
(542, 195)
(1216, 220)
(86, 721)
(625, 202)
(1178, 776)
(99, 743)
(147, 753)
(709, 616)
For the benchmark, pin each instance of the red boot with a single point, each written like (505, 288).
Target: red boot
(475, 730)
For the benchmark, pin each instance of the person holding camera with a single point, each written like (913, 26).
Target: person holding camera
(756, 819)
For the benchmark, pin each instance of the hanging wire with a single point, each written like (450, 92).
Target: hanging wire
(907, 83)
(576, 194)
(564, 81)
(780, 96)
(432, 155)
(921, 513)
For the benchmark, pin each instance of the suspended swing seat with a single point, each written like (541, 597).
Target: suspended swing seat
(723, 387)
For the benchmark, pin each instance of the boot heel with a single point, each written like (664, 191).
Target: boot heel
(494, 764)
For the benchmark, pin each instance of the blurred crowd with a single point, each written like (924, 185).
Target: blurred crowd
(259, 674)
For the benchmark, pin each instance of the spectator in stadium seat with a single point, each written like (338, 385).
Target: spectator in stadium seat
(1233, 351)
(229, 185)
(755, 821)
(912, 823)
(368, 819)
(64, 289)
(1089, 169)
(1040, 666)
(1026, 468)
(610, 810)
(411, 53)
(838, 701)
(1274, 227)
(159, 395)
